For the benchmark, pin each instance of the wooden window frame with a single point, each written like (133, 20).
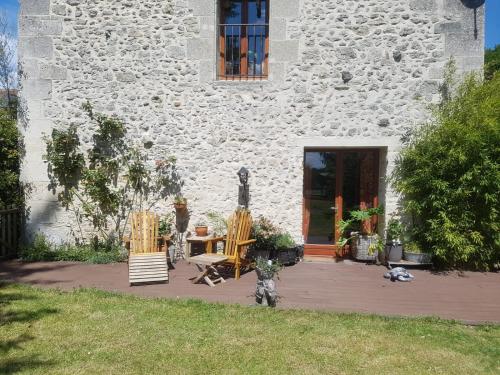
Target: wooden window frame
(244, 74)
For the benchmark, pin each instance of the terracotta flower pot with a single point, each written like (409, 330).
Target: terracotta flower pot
(201, 231)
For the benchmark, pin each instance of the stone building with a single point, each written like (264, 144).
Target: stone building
(312, 96)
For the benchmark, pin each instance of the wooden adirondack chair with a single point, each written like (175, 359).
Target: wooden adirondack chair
(236, 241)
(147, 250)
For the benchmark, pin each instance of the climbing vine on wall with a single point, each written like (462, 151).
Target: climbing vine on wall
(105, 183)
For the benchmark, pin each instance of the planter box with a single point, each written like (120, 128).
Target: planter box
(393, 253)
(254, 254)
(417, 257)
(289, 256)
(360, 245)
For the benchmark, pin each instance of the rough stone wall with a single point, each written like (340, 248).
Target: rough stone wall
(343, 73)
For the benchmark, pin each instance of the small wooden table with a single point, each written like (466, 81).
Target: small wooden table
(206, 264)
(205, 240)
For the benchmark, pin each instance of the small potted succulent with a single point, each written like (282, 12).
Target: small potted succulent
(201, 228)
(180, 203)
(393, 245)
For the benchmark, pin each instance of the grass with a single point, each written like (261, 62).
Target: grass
(95, 332)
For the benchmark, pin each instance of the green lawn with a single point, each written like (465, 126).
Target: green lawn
(94, 332)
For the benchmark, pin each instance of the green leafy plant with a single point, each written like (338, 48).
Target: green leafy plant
(356, 223)
(270, 268)
(491, 62)
(112, 179)
(394, 230)
(449, 177)
(179, 199)
(284, 241)
(96, 252)
(11, 152)
(166, 224)
(412, 247)
(270, 237)
(217, 222)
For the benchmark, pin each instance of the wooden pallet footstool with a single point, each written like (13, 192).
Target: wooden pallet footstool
(147, 268)
(206, 264)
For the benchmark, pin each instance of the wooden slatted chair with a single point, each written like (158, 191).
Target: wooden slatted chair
(147, 250)
(236, 241)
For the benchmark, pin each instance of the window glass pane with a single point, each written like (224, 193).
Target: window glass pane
(319, 194)
(256, 48)
(233, 53)
(232, 11)
(257, 11)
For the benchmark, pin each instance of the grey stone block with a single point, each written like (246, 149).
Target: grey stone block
(463, 45)
(40, 47)
(207, 27)
(277, 72)
(125, 77)
(284, 50)
(200, 48)
(202, 7)
(29, 25)
(277, 28)
(285, 8)
(38, 7)
(37, 89)
(50, 71)
(30, 68)
(447, 27)
(472, 63)
(176, 52)
(207, 71)
(424, 5)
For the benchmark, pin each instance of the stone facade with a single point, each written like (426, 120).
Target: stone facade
(343, 73)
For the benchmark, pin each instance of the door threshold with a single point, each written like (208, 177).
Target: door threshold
(319, 259)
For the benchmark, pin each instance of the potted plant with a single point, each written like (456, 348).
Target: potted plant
(201, 228)
(413, 253)
(265, 292)
(218, 223)
(180, 203)
(393, 245)
(364, 240)
(264, 232)
(286, 251)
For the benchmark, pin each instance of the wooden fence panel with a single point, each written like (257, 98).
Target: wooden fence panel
(10, 231)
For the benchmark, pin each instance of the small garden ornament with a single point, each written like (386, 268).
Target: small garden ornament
(399, 274)
(265, 293)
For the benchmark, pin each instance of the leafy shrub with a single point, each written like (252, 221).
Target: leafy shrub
(97, 252)
(11, 148)
(269, 237)
(491, 62)
(394, 230)
(449, 177)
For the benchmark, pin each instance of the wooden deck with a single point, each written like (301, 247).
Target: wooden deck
(347, 287)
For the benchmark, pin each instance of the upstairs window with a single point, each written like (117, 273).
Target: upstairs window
(243, 39)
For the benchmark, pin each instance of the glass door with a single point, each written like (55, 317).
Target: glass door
(335, 183)
(320, 176)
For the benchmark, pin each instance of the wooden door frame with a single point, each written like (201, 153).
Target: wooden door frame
(332, 250)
